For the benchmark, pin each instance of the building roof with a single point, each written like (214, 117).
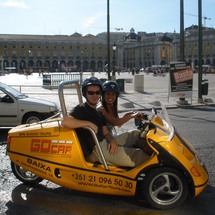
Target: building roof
(132, 36)
(51, 38)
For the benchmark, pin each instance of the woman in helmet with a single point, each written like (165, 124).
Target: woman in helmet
(110, 94)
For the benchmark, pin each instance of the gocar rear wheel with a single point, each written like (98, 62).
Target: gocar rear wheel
(25, 176)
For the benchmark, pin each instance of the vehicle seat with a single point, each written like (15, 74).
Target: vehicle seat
(86, 146)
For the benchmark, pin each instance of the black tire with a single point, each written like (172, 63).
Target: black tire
(165, 188)
(31, 118)
(25, 176)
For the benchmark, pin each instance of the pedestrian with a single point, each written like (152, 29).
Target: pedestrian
(205, 71)
(109, 106)
(26, 73)
(117, 151)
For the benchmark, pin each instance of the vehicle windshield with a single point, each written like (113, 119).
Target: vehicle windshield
(13, 92)
(158, 105)
(168, 126)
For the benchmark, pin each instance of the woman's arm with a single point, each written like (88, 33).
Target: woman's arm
(120, 120)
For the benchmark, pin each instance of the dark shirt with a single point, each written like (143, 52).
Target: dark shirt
(85, 112)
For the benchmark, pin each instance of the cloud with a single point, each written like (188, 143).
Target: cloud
(91, 20)
(14, 3)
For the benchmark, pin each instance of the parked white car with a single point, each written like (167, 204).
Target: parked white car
(17, 108)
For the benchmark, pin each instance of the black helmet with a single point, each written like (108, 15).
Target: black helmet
(89, 82)
(110, 86)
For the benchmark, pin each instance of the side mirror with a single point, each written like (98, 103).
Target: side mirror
(154, 111)
(137, 122)
(7, 99)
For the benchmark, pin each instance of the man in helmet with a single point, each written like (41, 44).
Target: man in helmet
(86, 114)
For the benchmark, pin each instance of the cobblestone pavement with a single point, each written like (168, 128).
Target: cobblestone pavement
(19, 199)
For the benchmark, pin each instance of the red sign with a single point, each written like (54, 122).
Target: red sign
(181, 80)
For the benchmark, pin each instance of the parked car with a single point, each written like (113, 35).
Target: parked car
(17, 108)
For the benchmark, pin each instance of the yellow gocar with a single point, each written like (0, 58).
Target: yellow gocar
(47, 150)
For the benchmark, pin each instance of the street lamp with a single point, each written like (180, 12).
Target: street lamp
(1, 63)
(200, 100)
(114, 61)
(108, 39)
(149, 57)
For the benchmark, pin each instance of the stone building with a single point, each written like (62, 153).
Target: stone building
(191, 46)
(53, 53)
(63, 53)
(147, 50)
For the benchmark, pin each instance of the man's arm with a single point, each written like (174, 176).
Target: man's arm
(112, 144)
(71, 122)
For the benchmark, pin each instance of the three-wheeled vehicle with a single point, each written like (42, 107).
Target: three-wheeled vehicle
(47, 150)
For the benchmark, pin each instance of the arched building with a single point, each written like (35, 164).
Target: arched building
(53, 53)
(63, 53)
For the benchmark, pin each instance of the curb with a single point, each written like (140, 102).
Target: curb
(185, 106)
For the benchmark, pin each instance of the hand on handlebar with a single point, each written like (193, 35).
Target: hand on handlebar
(138, 115)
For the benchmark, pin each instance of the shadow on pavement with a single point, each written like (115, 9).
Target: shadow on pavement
(41, 199)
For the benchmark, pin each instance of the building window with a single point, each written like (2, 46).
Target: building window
(163, 52)
(208, 51)
(22, 51)
(189, 51)
(195, 50)
(14, 51)
(85, 52)
(47, 51)
(62, 51)
(55, 51)
(70, 51)
(100, 51)
(39, 52)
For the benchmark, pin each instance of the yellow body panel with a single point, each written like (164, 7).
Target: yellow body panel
(53, 152)
(181, 154)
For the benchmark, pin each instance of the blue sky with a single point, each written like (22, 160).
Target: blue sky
(65, 17)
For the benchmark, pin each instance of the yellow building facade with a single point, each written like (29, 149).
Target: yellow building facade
(62, 53)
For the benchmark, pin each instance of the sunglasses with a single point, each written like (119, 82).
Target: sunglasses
(94, 92)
